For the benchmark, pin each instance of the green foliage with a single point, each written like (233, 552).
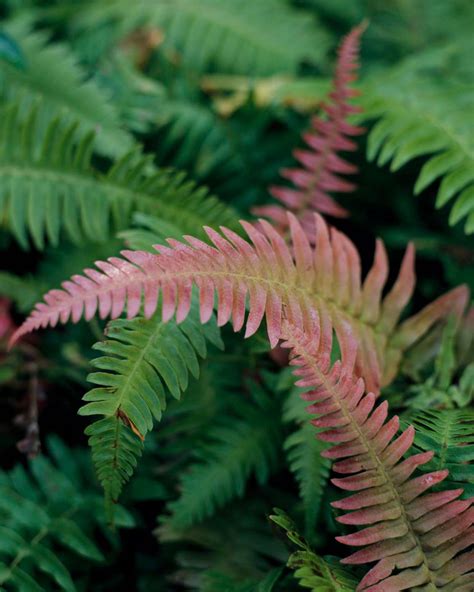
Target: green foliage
(237, 447)
(142, 360)
(48, 185)
(218, 93)
(320, 574)
(52, 76)
(417, 116)
(216, 551)
(303, 451)
(48, 516)
(261, 37)
(450, 434)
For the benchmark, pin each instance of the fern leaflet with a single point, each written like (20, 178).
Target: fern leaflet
(142, 360)
(48, 185)
(280, 284)
(423, 538)
(247, 444)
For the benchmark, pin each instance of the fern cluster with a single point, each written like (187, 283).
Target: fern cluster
(145, 445)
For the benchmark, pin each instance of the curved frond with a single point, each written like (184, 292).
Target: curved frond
(419, 541)
(48, 185)
(417, 120)
(449, 433)
(251, 38)
(320, 173)
(280, 283)
(237, 447)
(53, 77)
(142, 360)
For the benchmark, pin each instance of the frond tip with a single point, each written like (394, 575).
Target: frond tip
(321, 165)
(419, 541)
(280, 283)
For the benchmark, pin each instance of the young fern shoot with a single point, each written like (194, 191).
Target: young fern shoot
(321, 166)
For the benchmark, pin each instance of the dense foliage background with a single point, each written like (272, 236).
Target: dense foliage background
(221, 90)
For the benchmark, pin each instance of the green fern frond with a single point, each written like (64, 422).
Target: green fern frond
(449, 433)
(251, 38)
(303, 452)
(236, 542)
(47, 519)
(236, 448)
(53, 76)
(417, 117)
(47, 185)
(143, 360)
(312, 571)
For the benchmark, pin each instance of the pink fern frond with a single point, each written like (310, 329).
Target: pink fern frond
(320, 167)
(417, 540)
(278, 281)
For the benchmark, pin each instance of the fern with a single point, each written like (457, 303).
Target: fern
(279, 285)
(53, 77)
(46, 519)
(261, 37)
(449, 433)
(48, 185)
(316, 573)
(237, 544)
(142, 360)
(235, 450)
(417, 120)
(422, 536)
(303, 451)
(321, 164)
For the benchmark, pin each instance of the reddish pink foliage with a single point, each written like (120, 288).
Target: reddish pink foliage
(415, 538)
(321, 166)
(280, 282)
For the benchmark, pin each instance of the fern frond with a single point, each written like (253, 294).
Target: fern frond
(449, 433)
(321, 163)
(305, 460)
(280, 282)
(142, 360)
(312, 571)
(47, 185)
(251, 38)
(425, 120)
(53, 77)
(46, 519)
(421, 537)
(247, 444)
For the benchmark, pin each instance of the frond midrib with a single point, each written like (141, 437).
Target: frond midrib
(380, 467)
(102, 185)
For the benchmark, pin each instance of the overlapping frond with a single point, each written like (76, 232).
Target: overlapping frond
(425, 120)
(244, 444)
(251, 38)
(280, 283)
(53, 76)
(143, 360)
(449, 433)
(319, 574)
(419, 541)
(321, 165)
(48, 185)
